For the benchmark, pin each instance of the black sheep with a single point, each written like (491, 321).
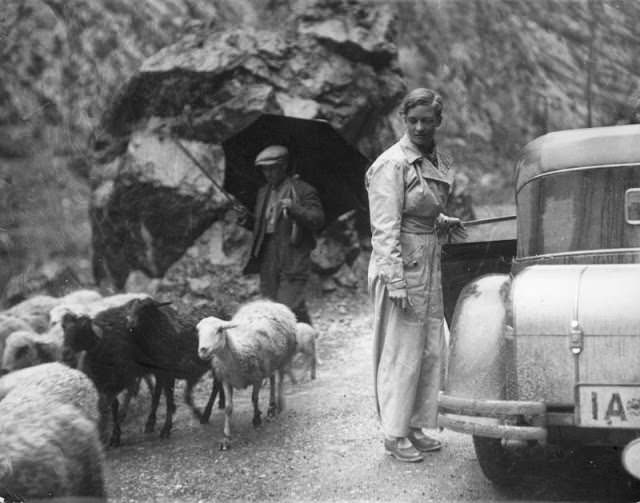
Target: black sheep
(168, 341)
(110, 361)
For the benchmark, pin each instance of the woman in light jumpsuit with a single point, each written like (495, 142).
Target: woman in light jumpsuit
(408, 187)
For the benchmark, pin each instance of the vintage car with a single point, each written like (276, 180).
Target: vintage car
(544, 307)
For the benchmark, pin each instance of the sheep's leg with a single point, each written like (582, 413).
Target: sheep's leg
(216, 388)
(170, 406)
(125, 404)
(273, 406)
(149, 381)
(314, 360)
(104, 408)
(228, 410)
(131, 391)
(217, 384)
(115, 435)
(257, 421)
(188, 398)
(289, 372)
(155, 401)
(279, 394)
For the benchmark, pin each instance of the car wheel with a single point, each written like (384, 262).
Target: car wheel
(496, 461)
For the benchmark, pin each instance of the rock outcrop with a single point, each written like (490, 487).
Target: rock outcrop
(509, 70)
(155, 190)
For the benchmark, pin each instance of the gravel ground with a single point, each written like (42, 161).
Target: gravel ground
(326, 445)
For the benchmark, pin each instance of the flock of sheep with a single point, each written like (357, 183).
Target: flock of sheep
(67, 361)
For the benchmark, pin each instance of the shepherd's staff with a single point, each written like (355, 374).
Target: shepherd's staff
(234, 202)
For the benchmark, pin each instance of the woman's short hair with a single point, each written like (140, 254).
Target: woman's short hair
(422, 96)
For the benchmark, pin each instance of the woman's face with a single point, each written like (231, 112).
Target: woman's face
(421, 122)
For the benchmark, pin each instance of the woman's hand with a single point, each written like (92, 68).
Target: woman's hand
(453, 226)
(400, 299)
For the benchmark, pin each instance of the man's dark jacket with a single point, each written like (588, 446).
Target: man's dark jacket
(293, 232)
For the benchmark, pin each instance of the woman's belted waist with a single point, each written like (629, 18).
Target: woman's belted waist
(418, 226)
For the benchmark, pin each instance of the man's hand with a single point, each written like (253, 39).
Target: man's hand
(285, 204)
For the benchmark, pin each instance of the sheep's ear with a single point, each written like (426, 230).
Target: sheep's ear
(228, 324)
(167, 303)
(97, 329)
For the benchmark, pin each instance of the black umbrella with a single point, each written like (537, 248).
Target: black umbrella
(320, 155)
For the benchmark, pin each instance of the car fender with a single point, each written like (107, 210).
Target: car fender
(479, 329)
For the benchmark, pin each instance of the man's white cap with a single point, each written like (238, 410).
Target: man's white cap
(272, 155)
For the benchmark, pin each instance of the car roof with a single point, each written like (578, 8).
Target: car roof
(579, 148)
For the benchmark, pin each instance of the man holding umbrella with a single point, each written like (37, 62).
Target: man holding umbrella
(287, 212)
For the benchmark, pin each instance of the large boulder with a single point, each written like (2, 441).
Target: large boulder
(156, 186)
(149, 205)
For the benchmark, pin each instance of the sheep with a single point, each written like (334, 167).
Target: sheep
(82, 296)
(78, 390)
(110, 361)
(169, 341)
(256, 343)
(90, 303)
(49, 444)
(306, 337)
(8, 325)
(25, 348)
(38, 322)
(90, 307)
(36, 305)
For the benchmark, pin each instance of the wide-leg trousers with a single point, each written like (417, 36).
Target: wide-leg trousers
(407, 365)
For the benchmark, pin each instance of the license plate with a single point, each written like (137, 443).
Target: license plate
(608, 406)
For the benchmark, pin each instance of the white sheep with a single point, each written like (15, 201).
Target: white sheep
(49, 444)
(82, 296)
(256, 343)
(25, 348)
(8, 325)
(35, 310)
(36, 305)
(90, 307)
(306, 350)
(60, 382)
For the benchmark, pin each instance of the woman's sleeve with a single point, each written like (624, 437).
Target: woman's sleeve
(386, 200)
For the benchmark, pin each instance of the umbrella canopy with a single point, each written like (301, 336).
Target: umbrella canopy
(320, 156)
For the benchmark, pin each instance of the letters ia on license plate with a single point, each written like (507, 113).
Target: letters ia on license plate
(609, 406)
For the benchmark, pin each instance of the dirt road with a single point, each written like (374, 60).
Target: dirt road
(326, 446)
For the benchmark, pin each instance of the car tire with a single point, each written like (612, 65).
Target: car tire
(496, 461)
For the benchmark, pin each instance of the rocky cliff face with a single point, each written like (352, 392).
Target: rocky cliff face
(509, 70)
(61, 62)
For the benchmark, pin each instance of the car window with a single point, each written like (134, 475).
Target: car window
(580, 210)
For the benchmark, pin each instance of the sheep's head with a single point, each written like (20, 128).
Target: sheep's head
(138, 309)
(23, 349)
(212, 336)
(80, 332)
(57, 312)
